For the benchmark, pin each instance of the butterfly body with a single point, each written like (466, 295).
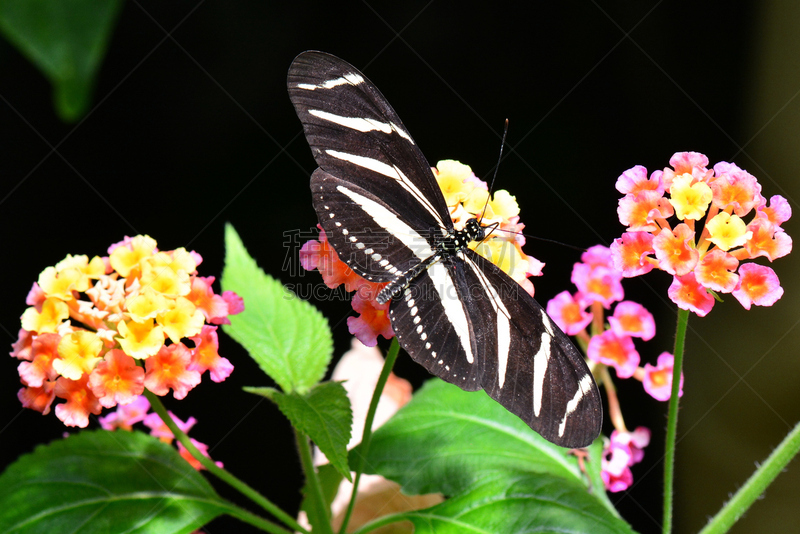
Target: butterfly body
(456, 313)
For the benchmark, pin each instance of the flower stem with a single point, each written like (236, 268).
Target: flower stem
(317, 499)
(756, 484)
(391, 356)
(244, 489)
(672, 419)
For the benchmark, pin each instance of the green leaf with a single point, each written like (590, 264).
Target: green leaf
(288, 338)
(520, 503)
(99, 481)
(329, 479)
(66, 40)
(324, 414)
(445, 440)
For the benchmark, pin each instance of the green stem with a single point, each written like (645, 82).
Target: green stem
(244, 489)
(672, 419)
(391, 356)
(756, 484)
(383, 521)
(317, 499)
(259, 522)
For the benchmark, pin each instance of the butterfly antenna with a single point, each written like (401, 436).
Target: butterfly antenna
(496, 168)
(537, 238)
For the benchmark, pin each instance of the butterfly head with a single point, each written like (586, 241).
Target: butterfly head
(474, 230)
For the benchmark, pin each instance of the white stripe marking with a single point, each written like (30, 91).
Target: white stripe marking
(361, 124)
(453, 307)
(584, 387)
(391, 223)
(349, 78)
(390, 171)
(540, 362)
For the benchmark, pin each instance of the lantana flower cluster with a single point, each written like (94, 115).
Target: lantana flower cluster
(609, 342)
(706, 245)
(466, 197)
(99, 331)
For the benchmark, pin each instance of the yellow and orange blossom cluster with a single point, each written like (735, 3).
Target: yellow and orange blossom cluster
(467, 197)
(99, 331)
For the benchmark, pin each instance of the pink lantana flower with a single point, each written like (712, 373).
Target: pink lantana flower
(623, 450)
(757, 285)
(615, 351)
(171, 368)
(722, 221)
(194, 462)
(569, 313)
(205, 356)
(632, 319)
(689, 294)
(125, 416)
(596, 278)
(657, 380)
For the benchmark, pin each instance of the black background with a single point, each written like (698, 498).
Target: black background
(191, 127)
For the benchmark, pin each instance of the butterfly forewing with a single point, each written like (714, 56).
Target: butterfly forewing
(356, 135)
(462, 318)
(367, 234)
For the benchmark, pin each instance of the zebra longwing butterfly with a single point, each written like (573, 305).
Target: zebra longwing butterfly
(454, 312)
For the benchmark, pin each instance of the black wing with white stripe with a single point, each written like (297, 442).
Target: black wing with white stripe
(356, 136)
(469, 324)
(462, 317)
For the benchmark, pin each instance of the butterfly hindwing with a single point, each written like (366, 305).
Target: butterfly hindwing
(433, 325)
(468, 323)
(551, 387)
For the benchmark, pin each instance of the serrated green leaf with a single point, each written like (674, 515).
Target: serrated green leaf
(102, 482)
(288, 338)
(447, 439)
(520, 503)
(329, 480)
(66, 40)
(324, 414)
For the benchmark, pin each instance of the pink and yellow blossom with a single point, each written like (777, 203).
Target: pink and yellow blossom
(615, 351)
(78, 353)
(657, 380)
(169, 369)
(205, 356)
(81, 402)
(675, 250)
(569, 313)
(758, 284)
(127, 415)
(632, 319)
(689, 294)
(117, 379)
(596, 278)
